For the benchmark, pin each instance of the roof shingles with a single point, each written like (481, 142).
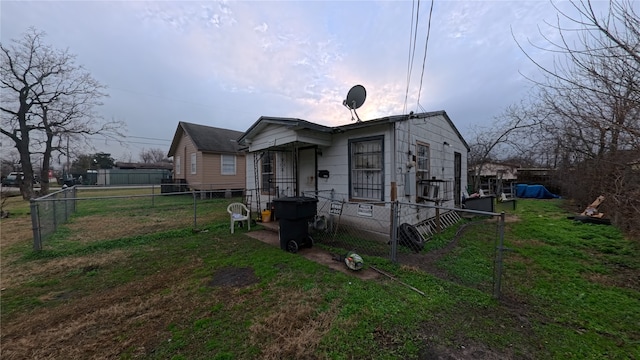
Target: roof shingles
(208, 138)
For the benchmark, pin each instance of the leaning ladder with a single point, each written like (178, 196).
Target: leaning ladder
(429, 227)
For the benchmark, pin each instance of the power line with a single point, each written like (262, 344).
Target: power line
(412, 40)
(424, 59)
(146, 138)
(126, 142)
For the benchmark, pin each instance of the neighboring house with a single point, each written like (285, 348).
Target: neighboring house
(207, 158)
(493, 177)
(495, 170)
(415, 158)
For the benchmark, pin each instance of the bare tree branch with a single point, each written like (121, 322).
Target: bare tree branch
(47, 98)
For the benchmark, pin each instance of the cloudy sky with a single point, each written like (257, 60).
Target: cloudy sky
(226, 63)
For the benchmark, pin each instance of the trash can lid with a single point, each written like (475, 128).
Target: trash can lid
(296, 199)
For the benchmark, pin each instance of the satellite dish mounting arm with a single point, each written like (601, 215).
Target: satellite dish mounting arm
(355, 99)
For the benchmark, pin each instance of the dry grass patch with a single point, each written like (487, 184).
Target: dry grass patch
(620, 277)
(93, 228)
(15, 230)
(295, 329)
(23, 272)
(131, 319)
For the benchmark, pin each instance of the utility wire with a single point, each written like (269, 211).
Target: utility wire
(424, 59)
(126, 142)
(412, 49)
(146, 138)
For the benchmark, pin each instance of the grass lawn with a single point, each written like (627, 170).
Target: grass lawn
(153, 288)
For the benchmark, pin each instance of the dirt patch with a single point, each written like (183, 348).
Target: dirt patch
(233, 277)
(315, 254)
(462, 351)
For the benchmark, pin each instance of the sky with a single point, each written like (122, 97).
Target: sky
(226, 63)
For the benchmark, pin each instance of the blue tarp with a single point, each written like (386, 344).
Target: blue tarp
(534, 192)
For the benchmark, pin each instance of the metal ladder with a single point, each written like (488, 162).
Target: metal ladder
(428, 227)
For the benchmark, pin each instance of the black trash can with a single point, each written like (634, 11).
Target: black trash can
(294, 214)
(485, 203)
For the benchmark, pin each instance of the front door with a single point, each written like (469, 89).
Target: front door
(307, 171)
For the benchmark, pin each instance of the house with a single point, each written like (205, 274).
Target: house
(493, 177)
(495, 170)
(207, 158)
(414, 158)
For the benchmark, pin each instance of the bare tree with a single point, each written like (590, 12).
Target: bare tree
(591, 95)
(593, 85)
(48, 102)
(508, 137)
(8, 163)
(153, 155)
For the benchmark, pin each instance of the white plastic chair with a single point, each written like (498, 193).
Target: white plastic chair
(238, 212)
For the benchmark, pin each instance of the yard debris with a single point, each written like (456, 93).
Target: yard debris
(395, 279)
(591, 213)
(592, 210)
(351, 259)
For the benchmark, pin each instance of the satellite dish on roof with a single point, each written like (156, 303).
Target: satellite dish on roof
(355, 99)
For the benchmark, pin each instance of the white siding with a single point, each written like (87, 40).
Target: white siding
(335, 159)
(272, 135)
(434, 130)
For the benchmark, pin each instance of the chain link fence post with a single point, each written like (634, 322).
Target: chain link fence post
(75, 200)
(395, 214)
(497, 281)
(35, 222)
(195, 212)
(55, 215)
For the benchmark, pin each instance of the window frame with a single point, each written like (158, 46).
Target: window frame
(355, 173)
(222, 164)
(178, 165)
(423, 173)
(194, 163)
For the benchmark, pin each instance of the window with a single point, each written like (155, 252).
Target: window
(267, 167)
(366, 164)
(178, 165)
(193, 163)
(422, 161)
(228, 164)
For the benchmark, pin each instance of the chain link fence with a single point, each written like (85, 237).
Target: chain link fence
(456, 244)
(427, 237)
(113, 212)
(50, 211)
(362, 227)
